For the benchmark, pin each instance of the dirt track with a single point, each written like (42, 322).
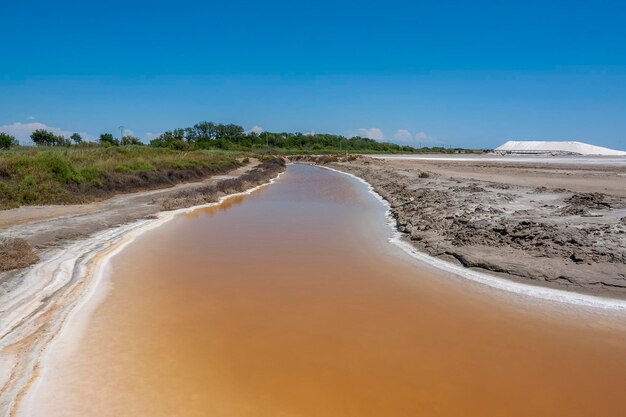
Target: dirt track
(559, 225)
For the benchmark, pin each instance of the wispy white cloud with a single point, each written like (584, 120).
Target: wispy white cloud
(30, 118)
(370, 133)
(22, 131)
(257, 129)
(403, 135)
(423, 139)
(148, 136)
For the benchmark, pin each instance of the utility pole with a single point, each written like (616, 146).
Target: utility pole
(121, 133)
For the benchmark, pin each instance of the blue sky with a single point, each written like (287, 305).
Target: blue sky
(468, 74)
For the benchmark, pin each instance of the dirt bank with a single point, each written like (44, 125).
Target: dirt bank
(560, 226)
(43, 228)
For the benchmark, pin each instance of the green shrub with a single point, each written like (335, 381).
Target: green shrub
(58, 166)
(7, 141)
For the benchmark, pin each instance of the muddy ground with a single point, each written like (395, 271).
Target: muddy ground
(562, 226)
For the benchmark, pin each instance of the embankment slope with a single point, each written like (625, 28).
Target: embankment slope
(470, 214)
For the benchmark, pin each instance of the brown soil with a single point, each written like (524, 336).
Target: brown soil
(211, 192)
(16, 253)
(115, 183)
(545, 224)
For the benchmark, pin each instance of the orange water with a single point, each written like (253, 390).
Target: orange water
(291, 302)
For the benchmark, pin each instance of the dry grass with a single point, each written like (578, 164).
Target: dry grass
(16, 253)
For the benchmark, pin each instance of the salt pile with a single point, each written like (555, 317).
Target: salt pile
(550, 146)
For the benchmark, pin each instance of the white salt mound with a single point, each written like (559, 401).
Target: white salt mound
(547, 146)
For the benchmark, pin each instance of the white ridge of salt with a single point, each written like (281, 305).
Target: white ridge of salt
(547, 146)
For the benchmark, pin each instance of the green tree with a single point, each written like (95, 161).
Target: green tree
(42, 137)
(207, 135)
(130, 140)
(107, 139)
(6, 141)
(76, 138)
(62, 141)
(201, 132)
(174, 139)
(229, 131)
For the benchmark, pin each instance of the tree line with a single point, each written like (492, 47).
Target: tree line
(42, 137)
(209, 135)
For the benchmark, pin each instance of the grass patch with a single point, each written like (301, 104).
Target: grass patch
(135, 166)
(79, 174)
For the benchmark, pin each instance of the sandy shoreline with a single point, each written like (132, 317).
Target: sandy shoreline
(491, 218)
(37, 302)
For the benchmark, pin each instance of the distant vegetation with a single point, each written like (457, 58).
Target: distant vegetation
(208, 135)
(231, 137)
